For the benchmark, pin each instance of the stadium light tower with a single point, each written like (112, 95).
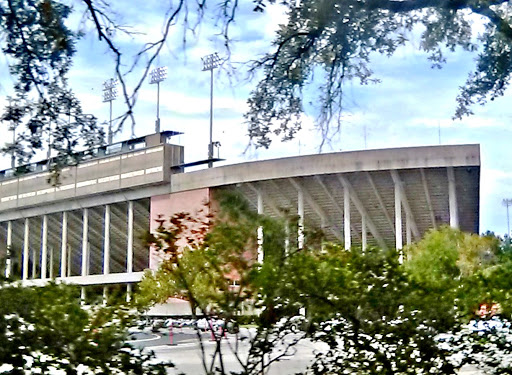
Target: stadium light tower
(210, 62)
(507, 203)
(157, 76)
(109, 95)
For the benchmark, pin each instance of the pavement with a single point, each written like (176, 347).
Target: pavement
(181, 347)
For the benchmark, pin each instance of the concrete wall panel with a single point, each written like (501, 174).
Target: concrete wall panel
(193, 202)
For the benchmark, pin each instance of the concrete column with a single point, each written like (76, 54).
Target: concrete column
(398, 220)
(64, 272)
(300, 212)
(408, 231)
(364, 233)
(44, 248)
(26, 249)
(106, 243)
(70, 257)
(346, 219)
(452, 199)
(323, 225)
(50, 268)
(128, 292)
(287, 238)
(35, 259)
(260, 230)
(105, 295)
(129, 249)
(82, 295)
(85, 243)
(8, 261)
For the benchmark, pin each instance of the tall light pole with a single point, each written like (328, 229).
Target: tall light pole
(507, 202)
(12, 128)
(210, 62)
(109, 95)
(157, 76)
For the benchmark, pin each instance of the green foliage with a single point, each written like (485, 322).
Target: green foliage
(46, 330)
(204, 256)
(376, 315)
(328, 43)
(322, 46)
(455, 272)
(41, 48)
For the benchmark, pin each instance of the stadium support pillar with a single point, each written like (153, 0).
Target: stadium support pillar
(44, 248)
(64, 246)
(106, 250)
(106, 241)
(129, 250)
(128, 292)
(300, 212)
(287, 237)
(26, 249)
(346, 218)
(8, 261)
(364, 233)
(452, 199)
(408, 231)
(398, 221)
(50, 266)
(85, 242)
(260, 229)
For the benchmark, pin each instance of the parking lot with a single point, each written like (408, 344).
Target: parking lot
(180, 345)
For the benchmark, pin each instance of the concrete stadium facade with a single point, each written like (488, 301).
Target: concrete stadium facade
(87, 230)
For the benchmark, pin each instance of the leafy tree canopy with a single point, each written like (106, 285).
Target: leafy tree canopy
(46, 330)
(323, 45)
(327, 43)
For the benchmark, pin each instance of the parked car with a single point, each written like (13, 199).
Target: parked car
(157, 324)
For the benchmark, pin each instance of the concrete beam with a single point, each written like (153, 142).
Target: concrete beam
(336, 205)
(452, 199)
(381, 202)
(407, 208)
(346, 218)
(398, 221)
(316, 207)
(427, 197)
(265, 197)
(331, 163)
(113, 278)
(85, 202)
(362, 211)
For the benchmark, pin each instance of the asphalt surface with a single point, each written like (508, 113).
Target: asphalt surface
(182, 349)
(148, 339)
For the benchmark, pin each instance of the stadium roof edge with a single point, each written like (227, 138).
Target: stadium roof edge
(441, 156)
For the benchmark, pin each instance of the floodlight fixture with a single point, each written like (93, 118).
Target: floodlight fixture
(158, 75)
(210, 62)
(110, 94)
(110, 90)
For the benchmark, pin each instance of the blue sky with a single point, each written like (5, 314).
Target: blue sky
(410, 107)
